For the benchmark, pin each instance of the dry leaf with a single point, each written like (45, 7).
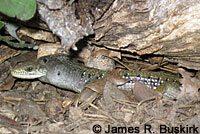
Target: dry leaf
(190, 85)
(8, 83)
(97, 85)
(99, 59)
(116, 78)
(47, 49)
(111, 91)
(29, 56)
(37, 34)
(142, 92)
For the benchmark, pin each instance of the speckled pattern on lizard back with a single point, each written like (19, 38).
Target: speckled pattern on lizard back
(64, 72)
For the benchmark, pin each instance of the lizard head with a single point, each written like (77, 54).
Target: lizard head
(30, 70)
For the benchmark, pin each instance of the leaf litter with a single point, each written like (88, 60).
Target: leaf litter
(114, 107)
(108, 106)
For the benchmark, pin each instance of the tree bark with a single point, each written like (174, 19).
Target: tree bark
(164, 27)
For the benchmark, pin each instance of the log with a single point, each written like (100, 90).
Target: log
(170, 28)
(163, 27)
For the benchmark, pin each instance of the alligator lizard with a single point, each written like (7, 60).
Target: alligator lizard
(64, 72)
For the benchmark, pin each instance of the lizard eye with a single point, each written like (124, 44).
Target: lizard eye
(29, 69)
(45, 60)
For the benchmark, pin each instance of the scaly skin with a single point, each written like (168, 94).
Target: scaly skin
(30, 70)
(63, 72)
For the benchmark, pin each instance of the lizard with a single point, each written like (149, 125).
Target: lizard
(64, 72)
